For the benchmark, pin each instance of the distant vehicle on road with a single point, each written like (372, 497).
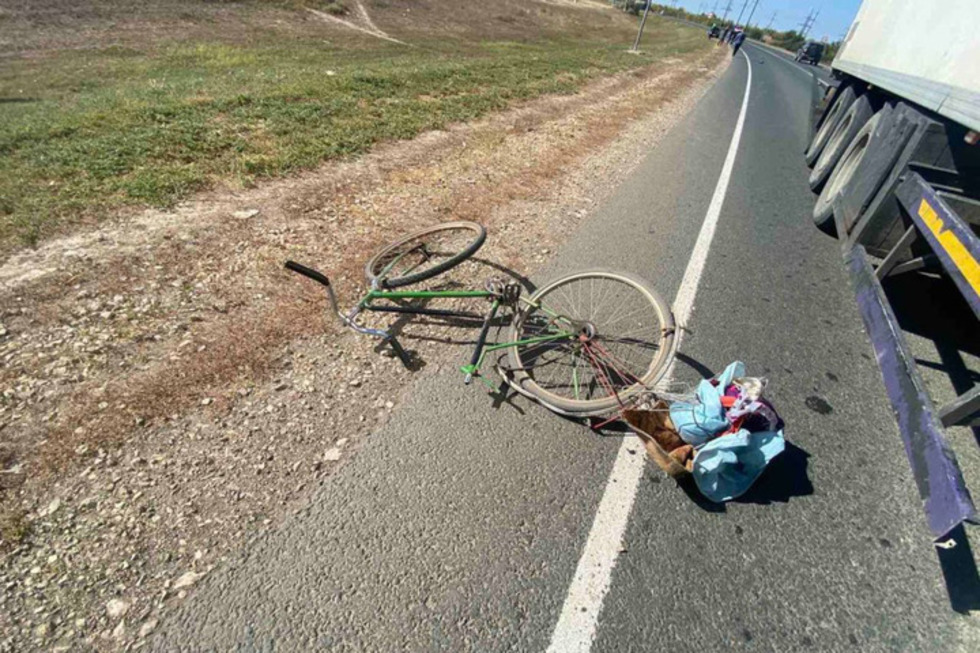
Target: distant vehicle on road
(810, 52)
(896, 161)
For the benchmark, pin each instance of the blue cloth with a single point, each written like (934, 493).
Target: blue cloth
(699, 422)
(726, 467)
(730, 373)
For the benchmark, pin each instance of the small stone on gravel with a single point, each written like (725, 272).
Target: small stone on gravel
(52, 508)
(148, 627)
(116, 608)
(187, 579)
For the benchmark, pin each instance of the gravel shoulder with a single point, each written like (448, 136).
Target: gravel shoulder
(169, 391)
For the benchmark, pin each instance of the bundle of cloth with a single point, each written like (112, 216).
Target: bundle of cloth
(727, 434)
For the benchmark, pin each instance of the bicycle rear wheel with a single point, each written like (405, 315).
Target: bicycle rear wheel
(621, 342)
(425, 254)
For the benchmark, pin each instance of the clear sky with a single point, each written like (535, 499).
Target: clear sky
(834, 19)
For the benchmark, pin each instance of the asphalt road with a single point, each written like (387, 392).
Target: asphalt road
(459, 525)
(819, 72)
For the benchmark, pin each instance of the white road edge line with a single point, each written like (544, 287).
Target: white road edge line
(576, 627)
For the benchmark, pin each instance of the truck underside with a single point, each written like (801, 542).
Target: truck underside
(899, 185)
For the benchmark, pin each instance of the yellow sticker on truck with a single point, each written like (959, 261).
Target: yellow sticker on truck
(957, 251)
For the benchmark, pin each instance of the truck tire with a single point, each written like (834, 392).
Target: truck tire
(934, 148)
(845, 98)
(848, 125)
(843, 175)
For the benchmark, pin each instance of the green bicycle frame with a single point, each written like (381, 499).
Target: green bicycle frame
(482, 348)
(421, 294)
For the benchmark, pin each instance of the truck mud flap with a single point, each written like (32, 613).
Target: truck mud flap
(945, 497)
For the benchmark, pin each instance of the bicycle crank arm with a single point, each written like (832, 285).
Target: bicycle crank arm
(481, 342)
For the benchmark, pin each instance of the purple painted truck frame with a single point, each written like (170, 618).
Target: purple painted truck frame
(955, 247)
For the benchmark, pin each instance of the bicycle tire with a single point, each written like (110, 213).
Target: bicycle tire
(661, 334)
(375, 266)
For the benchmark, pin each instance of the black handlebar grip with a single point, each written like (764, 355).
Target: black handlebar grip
(308, 272)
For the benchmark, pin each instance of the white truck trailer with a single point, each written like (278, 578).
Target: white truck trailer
(896, 161)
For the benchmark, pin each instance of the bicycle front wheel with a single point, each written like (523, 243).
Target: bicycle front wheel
(620, 340)
(425, 254)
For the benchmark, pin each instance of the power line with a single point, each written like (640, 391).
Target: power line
(738, 21)
(814, 20)
(748, 21)
(808, 22)
(771, 20)
(727, 9)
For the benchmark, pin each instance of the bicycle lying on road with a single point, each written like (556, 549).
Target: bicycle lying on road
(582, 345)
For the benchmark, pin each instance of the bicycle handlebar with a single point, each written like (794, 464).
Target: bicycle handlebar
(308, 272)
(350, 319)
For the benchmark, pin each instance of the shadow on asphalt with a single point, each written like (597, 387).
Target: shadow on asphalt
(699, 367)
(785, 477)
(474, 321)
(960, 573)
(931, 307)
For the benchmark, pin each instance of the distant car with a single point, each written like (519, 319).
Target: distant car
(810, 52)
(714, 32)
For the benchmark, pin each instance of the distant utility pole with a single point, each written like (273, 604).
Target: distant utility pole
(727, 9)
(812, 21)
(643, 22)
(715, 10)
(805, 25)
(771, 20)
(811, 18)
(748, 21)
(738, 21)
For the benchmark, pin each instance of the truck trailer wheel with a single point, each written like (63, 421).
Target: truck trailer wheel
(842, 176)
(848, 125)
(845, 98)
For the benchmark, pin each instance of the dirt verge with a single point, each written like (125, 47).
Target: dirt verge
(168, 390)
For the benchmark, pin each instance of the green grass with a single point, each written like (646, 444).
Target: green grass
(82, 134)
